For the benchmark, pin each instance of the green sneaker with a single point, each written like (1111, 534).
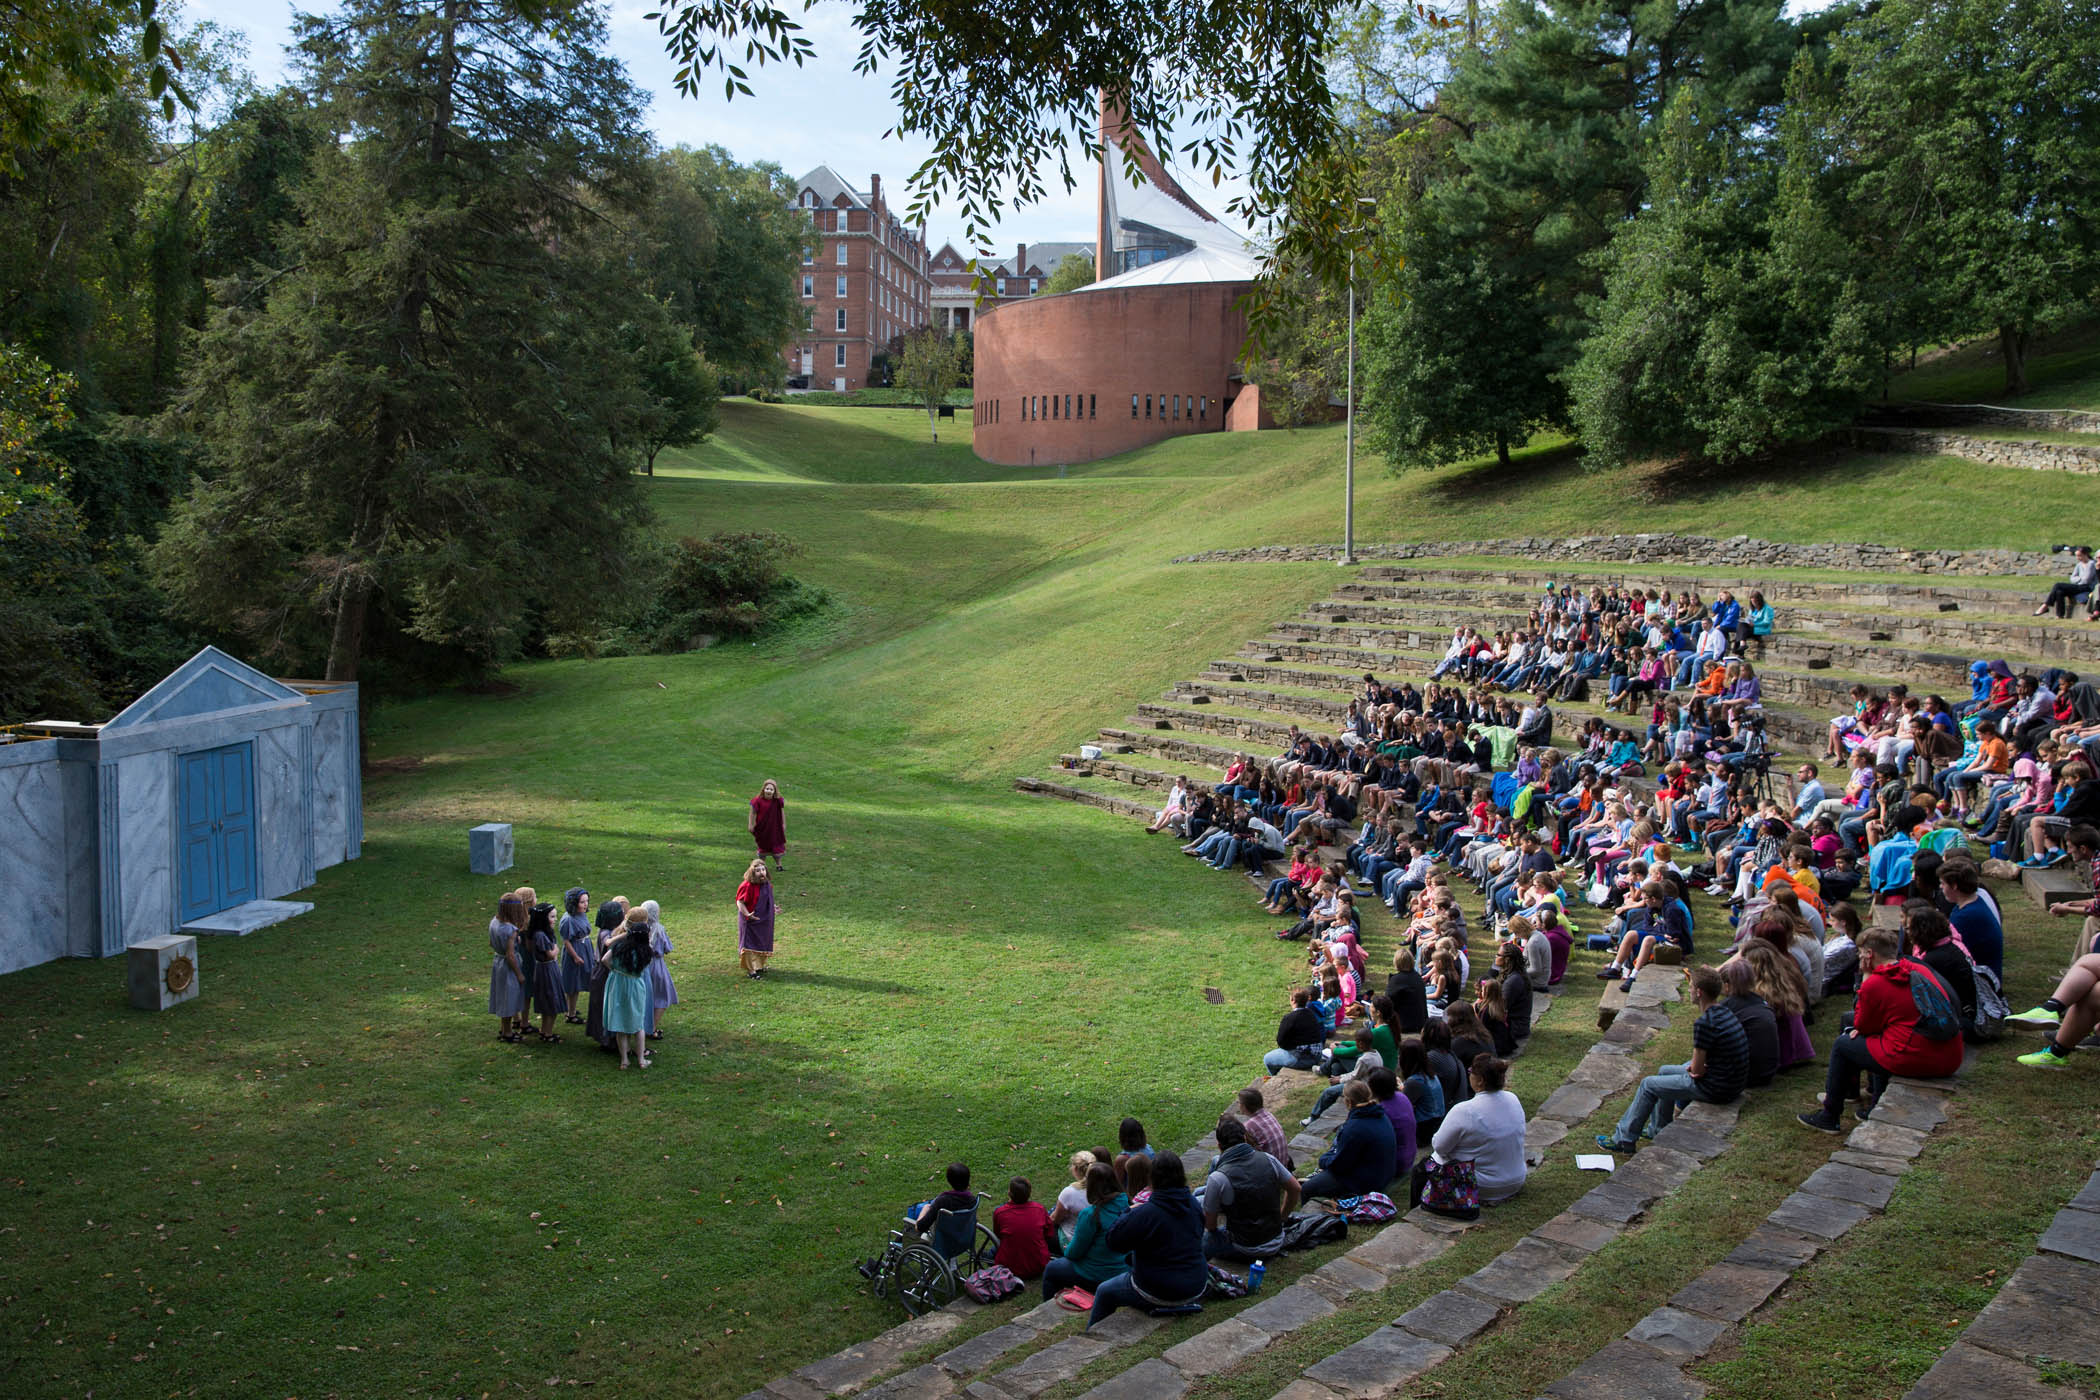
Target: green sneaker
(2045, 1058)
(2040, 1016)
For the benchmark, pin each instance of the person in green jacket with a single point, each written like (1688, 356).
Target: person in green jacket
(1088, 1261)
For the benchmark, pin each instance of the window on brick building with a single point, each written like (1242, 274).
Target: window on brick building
(1133, 405)
(1032, 284)
(1148, 407)
(840, 317)
(1177, 408)
(809, 286)
(842, 254)
(809, 317)
(842, 284)
(809, 255)
(842, 221)
(1068, 405)
(1092, 404)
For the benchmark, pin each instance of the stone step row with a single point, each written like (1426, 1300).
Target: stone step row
(1968, 634)
(1839, 599)
(2049, 1309)
(1649, 1362)
(1867, 591)
(1802, 651)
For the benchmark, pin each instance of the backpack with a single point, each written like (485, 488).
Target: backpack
(1938, 1017)
(1309, 1229)
(1991, 1006)
(1369, 1208)
(989, 1285)
(1223, 1283)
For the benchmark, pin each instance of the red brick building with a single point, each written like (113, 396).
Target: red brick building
(1144, 354)
(964, 288)
(864, 279)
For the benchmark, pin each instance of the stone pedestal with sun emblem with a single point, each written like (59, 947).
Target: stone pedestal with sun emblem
(163, 971)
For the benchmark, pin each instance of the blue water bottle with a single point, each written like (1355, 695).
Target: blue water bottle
(1254, 1276)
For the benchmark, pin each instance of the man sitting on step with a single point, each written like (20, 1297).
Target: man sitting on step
(1246, 1199)
(1716, 1073)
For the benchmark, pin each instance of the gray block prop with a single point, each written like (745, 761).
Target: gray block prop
(489, 848)
(163, 971)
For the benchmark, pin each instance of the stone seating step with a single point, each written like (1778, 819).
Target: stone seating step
(2048, 1310)
(1122, 807)
(2054, 885)
(1778, 588)
(1966, 633)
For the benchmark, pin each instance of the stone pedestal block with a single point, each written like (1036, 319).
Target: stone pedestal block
(162, 971)
(489, 848)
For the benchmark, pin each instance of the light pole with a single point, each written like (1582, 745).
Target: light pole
(1349, 404)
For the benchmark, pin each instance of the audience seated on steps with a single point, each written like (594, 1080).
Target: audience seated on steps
(1716, 1073)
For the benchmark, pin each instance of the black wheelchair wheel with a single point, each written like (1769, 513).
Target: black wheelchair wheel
(924, 1280)
(982, 1248)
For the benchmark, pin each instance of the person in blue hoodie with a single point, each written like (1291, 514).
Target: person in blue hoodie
(1164, 1239)
(1363, 1154)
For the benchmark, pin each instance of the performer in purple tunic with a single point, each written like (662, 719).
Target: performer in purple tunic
(754, 920)
(769, 822)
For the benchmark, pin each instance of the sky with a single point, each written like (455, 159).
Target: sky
(822, 113)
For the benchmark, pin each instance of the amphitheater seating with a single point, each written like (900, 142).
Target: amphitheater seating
(1395, 620)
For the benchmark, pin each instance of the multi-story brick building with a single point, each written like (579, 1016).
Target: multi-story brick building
(963, 289)
(863, 280)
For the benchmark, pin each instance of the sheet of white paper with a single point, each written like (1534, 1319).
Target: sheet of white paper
(1594, 1162)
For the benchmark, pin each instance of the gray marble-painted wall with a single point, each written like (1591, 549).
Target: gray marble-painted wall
(338, 804)
(35, 884)
(283, 860)
(138, 849)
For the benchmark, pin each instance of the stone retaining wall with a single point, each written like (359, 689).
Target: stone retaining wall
(1954, 415)
(1738, 551)
(1996, 452)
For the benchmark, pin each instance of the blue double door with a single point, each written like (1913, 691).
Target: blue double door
(217, 811)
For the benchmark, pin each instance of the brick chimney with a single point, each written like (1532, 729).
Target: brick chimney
(1021, 259)
(875, 190)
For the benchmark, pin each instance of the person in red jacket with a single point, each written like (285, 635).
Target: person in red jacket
(1883, 1038)
(1023, 1228)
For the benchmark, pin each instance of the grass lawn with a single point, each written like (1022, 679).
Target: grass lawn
(324, 1177)
(2063, 371)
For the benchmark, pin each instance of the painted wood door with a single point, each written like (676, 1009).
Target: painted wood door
(216, 806)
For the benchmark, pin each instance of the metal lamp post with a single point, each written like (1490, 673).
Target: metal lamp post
(1349, 406)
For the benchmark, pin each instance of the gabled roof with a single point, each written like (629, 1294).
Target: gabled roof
(829, 187)
(208, 682)
(1045, 257)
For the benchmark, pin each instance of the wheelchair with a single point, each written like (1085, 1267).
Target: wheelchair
(926, 1272)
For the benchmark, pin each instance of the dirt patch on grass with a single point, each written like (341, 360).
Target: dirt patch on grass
(400, 763)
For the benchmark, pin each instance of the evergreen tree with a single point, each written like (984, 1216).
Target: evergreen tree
(1734, 317)
(1453, 360)
(1976, 127)
(415, 420)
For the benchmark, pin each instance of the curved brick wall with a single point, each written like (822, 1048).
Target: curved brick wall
(1173, 344)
